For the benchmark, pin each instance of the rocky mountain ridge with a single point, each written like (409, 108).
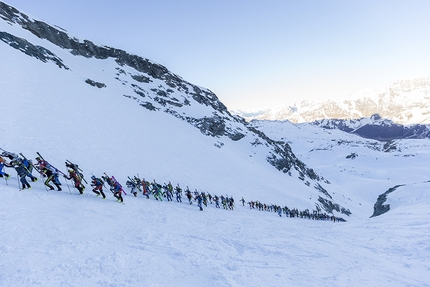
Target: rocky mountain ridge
(375, 127)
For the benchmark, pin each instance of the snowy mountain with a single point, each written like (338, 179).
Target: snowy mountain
(405, 102)
(375, 127)
(149, 106)
(400, 111)
(110, 111)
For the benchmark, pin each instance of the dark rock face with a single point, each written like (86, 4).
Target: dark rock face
(378, 128)
(381, 208)
(31, 50)
(214, 126)
(141, 78)
(283, 157)
(95, 84)
(330, 206)
(389, 146)
(351, 156)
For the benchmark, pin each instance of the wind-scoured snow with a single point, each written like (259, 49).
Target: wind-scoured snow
(62, 238)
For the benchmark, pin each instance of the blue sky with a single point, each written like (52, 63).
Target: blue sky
(260, 54)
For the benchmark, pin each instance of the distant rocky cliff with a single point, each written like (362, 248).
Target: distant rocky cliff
(375, 127)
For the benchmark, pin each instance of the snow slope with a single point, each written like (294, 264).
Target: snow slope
(110, 126)
(61, 239)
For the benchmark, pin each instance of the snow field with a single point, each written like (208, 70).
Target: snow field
(61, 239)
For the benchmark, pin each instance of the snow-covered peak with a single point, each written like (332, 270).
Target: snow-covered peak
(404, 102)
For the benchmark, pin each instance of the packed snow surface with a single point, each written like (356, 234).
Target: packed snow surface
(66, 239)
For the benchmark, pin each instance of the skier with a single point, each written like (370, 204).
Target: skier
(243, 201)
(28, 164)
(216, 199)
(97, 183)
(117, 190)
(76, 169)
(189, 196)
(48, 171)
(169, 191)
(230, 203)
(132, 184)
(156, 191)
(223, 202)
(199, 201)
(178, 192)
(204, 198)
(22, 172)
(2, 165)
(77, 180)
(138, 182)
(109, 181)
(145, 188)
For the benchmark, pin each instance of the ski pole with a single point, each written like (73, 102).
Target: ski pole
(42, 178)
(67, 183)
(17, 178)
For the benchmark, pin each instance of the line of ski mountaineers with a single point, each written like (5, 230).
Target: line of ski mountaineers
(24, 168)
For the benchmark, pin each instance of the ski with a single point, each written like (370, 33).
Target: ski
(51, 164)
(76, 168)
(119, 185)
(30, 162)
(12, 156)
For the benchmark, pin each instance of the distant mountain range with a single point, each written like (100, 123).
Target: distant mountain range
(404, 102)
(375, 127)
(400, 111)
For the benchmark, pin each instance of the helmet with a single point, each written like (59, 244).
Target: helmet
(93, 177)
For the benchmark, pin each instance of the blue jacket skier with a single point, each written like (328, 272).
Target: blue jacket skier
(279, 211)
(2, 165)
(22, 172)
(116, 188)
(97, 183)
(199, 199)
(216, 199)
